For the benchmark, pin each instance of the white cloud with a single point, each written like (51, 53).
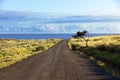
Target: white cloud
(118, 29)
(4, 29)
(50, 27)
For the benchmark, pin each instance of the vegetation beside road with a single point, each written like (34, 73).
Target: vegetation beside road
(13, 50)
(105, 50)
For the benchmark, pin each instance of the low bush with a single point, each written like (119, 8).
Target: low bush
(39, 48)
(74, 47)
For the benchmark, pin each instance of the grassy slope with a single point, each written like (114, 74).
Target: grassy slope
(12, 50)
(107, 47)
(104, 48)
(99, 40)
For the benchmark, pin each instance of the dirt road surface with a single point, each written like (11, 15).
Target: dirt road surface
(58, 63)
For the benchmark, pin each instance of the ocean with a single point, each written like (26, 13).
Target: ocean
(40, 36)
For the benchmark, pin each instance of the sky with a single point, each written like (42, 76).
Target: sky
(75, 7)
(59, 16)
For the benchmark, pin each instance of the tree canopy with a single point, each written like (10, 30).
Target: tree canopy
(82, 34)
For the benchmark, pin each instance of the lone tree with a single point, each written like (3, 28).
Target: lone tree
(83, 35)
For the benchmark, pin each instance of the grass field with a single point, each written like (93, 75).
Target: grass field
(13, 50)
(104, 49)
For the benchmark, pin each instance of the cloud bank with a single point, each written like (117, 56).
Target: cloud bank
(17, 22)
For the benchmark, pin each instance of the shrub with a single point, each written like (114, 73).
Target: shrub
(39, 48)
(101, 47)
(74, 47)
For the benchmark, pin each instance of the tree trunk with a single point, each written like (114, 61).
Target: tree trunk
(86, 43)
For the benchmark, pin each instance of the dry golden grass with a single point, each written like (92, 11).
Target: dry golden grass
(98, 40)
(104, 50)
(12, 50)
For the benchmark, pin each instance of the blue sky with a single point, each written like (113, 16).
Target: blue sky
(59, 16)
(77, 7)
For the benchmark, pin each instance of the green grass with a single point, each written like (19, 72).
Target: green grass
(13, 50)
